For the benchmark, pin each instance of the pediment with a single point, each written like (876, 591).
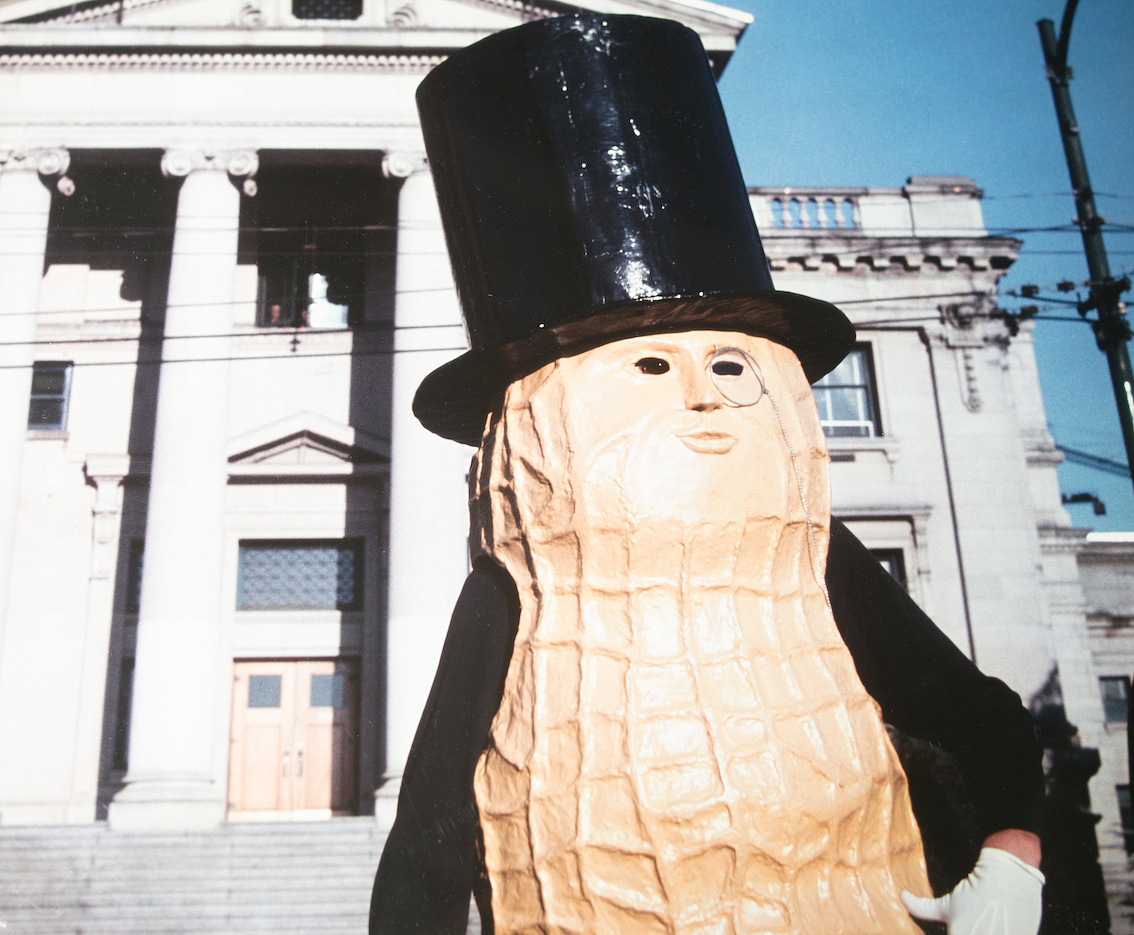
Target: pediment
(383, 25)
(307, 444)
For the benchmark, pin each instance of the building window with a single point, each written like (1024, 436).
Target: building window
(300, 574)
(846, 398)
(894, 562)
(1126, 816)
(1115, 692)
(328, 691)
(306, 291)
(326, 9)
(51, 383)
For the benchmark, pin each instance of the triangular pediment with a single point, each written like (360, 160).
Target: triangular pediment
(306, 443)
(391, 25)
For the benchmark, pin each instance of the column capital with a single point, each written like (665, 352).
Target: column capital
(236, 162)
(401, 165)
(52, 160)
(105, 473)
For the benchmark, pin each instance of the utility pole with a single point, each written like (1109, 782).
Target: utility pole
(1111, 328)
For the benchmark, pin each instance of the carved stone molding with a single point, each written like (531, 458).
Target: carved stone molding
(970, 388)
(251, 16)
(236, 162)
(106, 474)
(404, 17)
(403, 165)
(366, 63)
(48, 161)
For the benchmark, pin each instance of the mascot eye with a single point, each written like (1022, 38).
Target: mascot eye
(654, 366)
(736, 376)
(727, 368)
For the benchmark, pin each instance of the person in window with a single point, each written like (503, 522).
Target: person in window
(659, 705)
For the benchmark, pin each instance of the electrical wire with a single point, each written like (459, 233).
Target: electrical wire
(314, 231)
(877, 324)
(379, 352)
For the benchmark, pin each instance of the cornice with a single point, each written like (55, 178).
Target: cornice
(340, 39)
(870, 241)
(1061, 540)
(814, 252)
(105, 12)
(397, 63)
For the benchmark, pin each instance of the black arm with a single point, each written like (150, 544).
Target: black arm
(923, 683)
(929, 689)
(430, 861)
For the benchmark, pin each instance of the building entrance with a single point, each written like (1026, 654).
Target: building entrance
(294, 744)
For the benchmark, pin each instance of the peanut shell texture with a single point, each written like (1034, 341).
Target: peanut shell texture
(683, 745)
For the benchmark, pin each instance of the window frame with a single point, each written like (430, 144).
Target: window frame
(1125, 816)
(1124, 681)
(870, 389)
(286, 274)
(898, 557)
(44, 366)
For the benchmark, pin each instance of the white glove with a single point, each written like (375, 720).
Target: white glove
(1002, 896)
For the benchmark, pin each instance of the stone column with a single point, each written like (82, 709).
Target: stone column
(428, 490)
(175, 777)
(25, 203)
(106, 473)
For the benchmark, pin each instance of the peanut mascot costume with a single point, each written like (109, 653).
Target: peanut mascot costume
(660, 704)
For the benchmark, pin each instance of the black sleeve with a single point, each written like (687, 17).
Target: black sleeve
(430, 860)
(929, 689)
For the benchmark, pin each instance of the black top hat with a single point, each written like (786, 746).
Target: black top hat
(589, 191)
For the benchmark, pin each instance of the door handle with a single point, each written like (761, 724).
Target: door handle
(285, 761)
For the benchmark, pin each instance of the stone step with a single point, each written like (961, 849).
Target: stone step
(151, 860)
(287, 878)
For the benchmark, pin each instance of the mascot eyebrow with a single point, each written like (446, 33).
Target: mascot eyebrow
(647, 718)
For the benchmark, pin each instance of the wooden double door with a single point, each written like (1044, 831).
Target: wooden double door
(294, 745)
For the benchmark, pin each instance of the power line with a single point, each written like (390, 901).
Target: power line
(315, 230)
(379, 352)
(236, 303)
(266, 331)
(1053, 195)
(1094, 461)
(296, 333)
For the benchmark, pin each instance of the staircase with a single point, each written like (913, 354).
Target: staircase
(288, 879)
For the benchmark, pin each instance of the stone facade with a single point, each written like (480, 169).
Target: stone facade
(1106, 572)
(218, 233)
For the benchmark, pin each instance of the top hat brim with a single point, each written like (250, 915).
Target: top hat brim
(455, 399)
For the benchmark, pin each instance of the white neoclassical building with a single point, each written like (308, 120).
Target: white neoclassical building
(228, 552)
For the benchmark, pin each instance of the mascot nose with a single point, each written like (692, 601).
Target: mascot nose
(700, 394)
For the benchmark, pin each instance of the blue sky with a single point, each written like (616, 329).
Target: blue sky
(869, 92)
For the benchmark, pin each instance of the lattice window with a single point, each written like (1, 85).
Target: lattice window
(300, 574)
(326, 9)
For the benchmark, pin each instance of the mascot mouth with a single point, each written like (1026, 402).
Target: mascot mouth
(709, 443)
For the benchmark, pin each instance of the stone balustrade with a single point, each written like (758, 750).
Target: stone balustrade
(926, 206)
